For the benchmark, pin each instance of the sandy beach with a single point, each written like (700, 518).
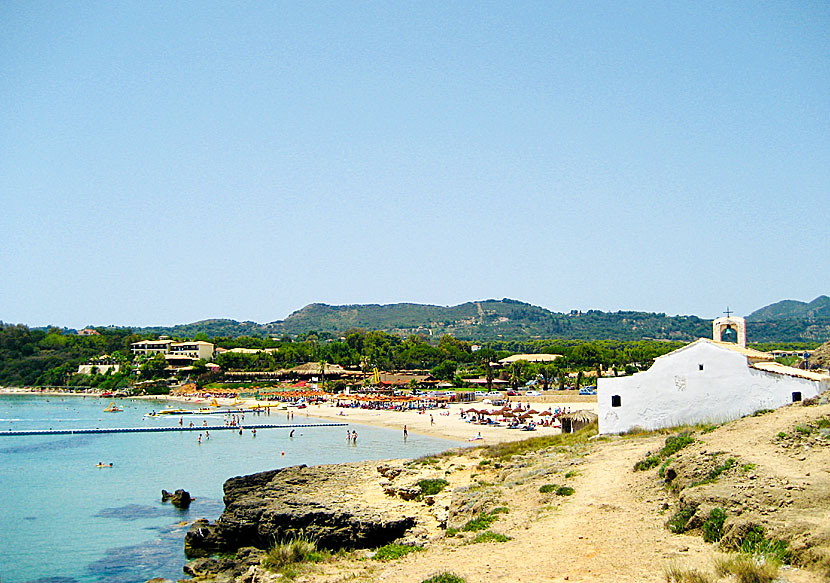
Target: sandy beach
(443, 423)
(437, 423)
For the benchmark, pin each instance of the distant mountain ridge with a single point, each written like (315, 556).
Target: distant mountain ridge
(819, 308)
(508, 319)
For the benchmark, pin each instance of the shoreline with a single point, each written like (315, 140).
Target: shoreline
(430, 423)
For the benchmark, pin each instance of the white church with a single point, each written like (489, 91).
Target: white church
(705, 381)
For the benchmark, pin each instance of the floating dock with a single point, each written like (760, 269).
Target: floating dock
(163, 429)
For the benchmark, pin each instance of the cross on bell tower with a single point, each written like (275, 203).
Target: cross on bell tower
(730, 322)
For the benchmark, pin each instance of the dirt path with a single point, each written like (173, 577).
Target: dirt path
(604, 532)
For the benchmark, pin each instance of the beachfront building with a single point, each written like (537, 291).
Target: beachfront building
(195, 350)
(548, 358)
(102, 365)
(151, 347)
(705, 381)
(179, 350)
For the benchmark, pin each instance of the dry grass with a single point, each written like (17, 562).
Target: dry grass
(746, 568)
(511, 448)
(677, 574)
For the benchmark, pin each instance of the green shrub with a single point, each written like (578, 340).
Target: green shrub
(429, 487)
(445, 577)
(564, 491)
(427, 460)
(488, 536)
(713, 527)
(677, 523)
(451, 532)
(803, 429)
(782, 435)
(394, 551)
(748, 467)
(571, 474)
(647, 463)
(715, 473)
(756, 544)
(662, 471)
(500, 510)
(823, 423)
(675, 443)
(480, 522)
(548, 488)
(760, 412)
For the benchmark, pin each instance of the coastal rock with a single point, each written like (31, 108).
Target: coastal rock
(224, 569)
(180, 498)
(327, 504)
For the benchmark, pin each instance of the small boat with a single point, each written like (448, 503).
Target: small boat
(113, 408)
(175, 412)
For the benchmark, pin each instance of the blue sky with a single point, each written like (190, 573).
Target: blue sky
(167, 162)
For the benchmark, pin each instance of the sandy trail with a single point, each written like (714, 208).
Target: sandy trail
(606, 531)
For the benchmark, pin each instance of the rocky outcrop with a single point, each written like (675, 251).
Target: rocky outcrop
(180, 498)
(327, 504)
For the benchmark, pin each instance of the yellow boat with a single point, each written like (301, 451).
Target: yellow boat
(113, 408)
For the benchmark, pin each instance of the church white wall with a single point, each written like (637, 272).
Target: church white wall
(675, 391)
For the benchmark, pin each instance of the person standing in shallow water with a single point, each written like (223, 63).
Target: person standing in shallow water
(405, 432)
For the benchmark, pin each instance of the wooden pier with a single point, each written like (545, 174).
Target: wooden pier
(163, 429)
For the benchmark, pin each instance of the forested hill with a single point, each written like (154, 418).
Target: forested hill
(818, 309)
(492, 319)
(479, 321)
(503, 320)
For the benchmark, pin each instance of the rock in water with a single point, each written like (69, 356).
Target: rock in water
(180, 498)
(322, 503)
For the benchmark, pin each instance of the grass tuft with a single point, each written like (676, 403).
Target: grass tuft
(480, 522)
(286, 557)
(430, 487)
(677, 523)
(770, 550)
(445, 577)
(394, 551)
(509, 449)
(715, 473)
(675, 443)
(647, 463)
(713, 527)
(676, 574)
(488, 536)
(746, 568)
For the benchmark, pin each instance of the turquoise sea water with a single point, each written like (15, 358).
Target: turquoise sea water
(63, 520)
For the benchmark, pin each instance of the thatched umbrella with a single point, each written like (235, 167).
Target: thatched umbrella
(572, 422)
(545, 413)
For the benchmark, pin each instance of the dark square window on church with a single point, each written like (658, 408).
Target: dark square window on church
(616, 401)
